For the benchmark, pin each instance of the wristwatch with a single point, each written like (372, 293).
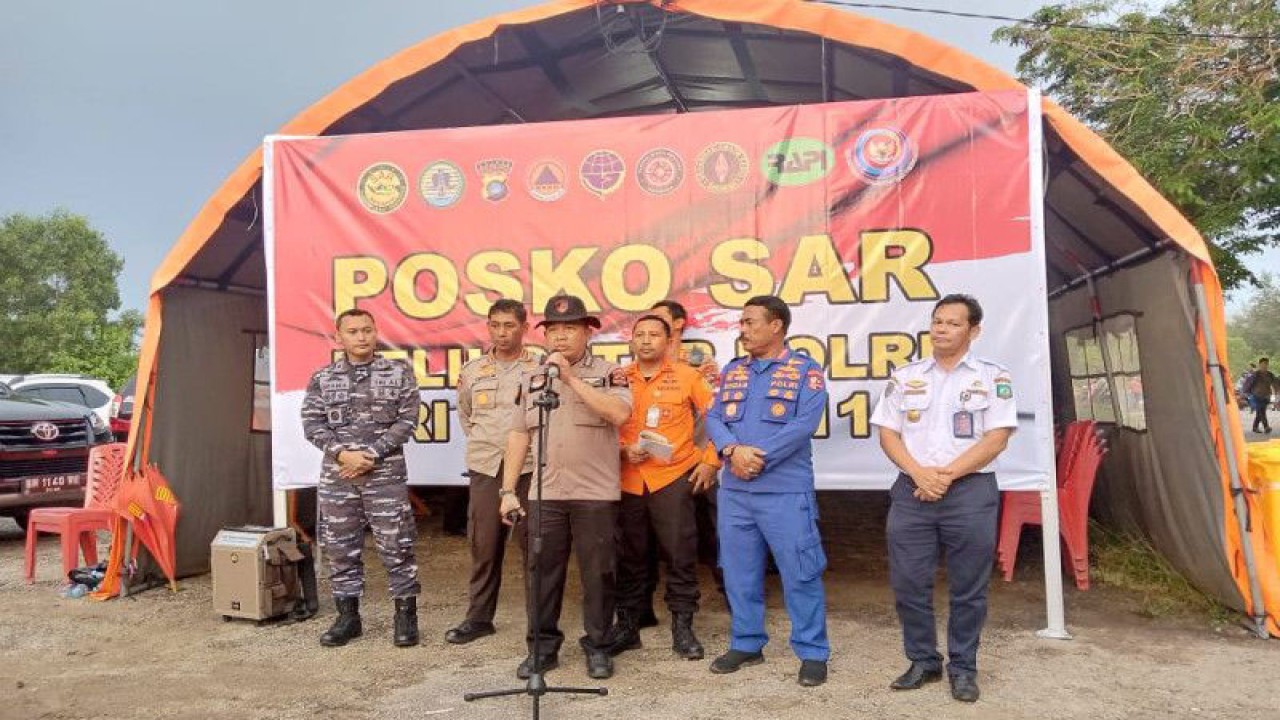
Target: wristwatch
(503, 492)
(727, 451)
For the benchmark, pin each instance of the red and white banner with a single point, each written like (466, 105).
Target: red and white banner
(859, 215)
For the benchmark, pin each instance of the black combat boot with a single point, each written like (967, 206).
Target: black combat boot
(406, 622)
(347, 627)
(625, 634)
(683, 641)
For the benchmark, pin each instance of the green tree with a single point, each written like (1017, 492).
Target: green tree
(1190, 95)
(1257, 328)
(59, 300)
(1239, 353)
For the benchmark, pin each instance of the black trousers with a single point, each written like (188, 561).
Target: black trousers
(488, 539)
(704, 513)
(666, 519)
(963, 524)
(587, 527)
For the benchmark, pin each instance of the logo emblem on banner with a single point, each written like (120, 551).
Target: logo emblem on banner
(797, 161)
(441, 184)
(722, 167)
(493, 179)
(660, 171)
(882, 155)
(602, 172)
(382, 188)
(546, 181)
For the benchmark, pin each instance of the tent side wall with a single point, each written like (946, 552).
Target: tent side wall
(206, 360)
(1163, 483)
(1248, 548)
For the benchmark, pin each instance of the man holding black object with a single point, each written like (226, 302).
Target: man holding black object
(487, 390)
(662, 468)
(581, 484)
(943, 421)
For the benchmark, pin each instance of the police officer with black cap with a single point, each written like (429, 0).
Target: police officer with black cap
(581, 484)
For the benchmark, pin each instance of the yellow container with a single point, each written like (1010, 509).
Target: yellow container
(1264, 479)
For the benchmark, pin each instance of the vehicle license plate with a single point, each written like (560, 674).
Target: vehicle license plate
(52, 483)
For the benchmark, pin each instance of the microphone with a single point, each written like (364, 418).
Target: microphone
(551, 369)
(696, 356)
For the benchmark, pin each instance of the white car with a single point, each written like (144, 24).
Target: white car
(79, 390)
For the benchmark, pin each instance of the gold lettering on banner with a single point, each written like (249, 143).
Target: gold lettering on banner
(427, 286)
(406, 286)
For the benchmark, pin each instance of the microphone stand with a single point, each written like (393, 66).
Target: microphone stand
(536, 685)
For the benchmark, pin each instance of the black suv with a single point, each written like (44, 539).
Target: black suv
(44, 452)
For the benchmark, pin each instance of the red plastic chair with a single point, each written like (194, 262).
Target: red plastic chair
(78, 526)
(1080, 454)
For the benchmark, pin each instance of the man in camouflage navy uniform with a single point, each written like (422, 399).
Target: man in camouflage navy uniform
(360, 411)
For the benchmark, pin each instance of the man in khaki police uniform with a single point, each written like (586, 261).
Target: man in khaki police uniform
(487, 391)
(581, 484)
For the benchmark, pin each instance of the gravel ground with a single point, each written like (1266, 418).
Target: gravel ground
(168, 655)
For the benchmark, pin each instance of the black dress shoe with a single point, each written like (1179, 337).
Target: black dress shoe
(916, 676)
(549, 663)
(733, 660)
(812, 673)
(965, 688)
(599, 665)
(467, 631)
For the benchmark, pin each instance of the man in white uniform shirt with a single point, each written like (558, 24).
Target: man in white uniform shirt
(943, 421)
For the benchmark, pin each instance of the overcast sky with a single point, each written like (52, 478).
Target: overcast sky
(132, 113)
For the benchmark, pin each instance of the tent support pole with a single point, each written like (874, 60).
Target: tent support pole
(1054, 606)
(1257, 612)
(280, 508)
(1100, 332)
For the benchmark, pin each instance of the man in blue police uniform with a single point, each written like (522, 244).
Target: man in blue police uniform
(765, 413)
(943, 420)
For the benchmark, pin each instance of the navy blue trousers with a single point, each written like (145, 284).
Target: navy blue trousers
(963, 525)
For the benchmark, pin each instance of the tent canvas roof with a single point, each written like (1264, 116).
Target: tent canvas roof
(577, 59)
